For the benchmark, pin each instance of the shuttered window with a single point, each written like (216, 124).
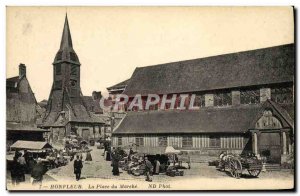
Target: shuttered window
(139, 141)
(74, 70)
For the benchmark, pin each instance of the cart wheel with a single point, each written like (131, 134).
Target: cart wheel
(235, 168)
(254, 172)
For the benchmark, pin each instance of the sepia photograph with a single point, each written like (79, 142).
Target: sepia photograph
(155, 98)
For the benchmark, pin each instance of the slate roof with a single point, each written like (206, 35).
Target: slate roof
(12, 126)
(233, 119)
(92, 105)
(119, 85)
(255, 67)
(76, 113)
(287, 112)
(13, 79)
(12, 82)
(30, 145)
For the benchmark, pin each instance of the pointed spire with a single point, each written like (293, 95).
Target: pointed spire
(66, 39)
(66, 52)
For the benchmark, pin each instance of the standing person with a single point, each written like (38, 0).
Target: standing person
(14, 171)
(17, 168)
(115, 163)
(88, 156)
(157, 166)
(22, 170)
(77, 167)
(30, 163)
(37, 172)
(26, 157)
(148, 169)
(105, 149)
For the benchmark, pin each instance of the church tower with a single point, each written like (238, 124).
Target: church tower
(66, 67)
(67, 111)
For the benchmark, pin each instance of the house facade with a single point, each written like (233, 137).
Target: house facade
(22, 110)
(116, 115)
(245, 101)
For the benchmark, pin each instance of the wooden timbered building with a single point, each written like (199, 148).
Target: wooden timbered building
(22, 110)
(245, 100)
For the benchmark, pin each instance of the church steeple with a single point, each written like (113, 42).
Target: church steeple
(66, 67)
(66, 40)
(66, 52)
(66, 106)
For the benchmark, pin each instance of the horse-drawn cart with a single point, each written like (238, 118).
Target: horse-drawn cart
(237, 164)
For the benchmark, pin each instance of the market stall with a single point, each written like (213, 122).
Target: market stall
(32, 150)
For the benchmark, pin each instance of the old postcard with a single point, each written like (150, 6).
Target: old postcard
(150, 98)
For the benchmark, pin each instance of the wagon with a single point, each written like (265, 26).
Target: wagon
(237, 164)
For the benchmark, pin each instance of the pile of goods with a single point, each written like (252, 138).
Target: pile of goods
(173, 171)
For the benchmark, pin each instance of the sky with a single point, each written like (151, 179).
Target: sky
(112, 41)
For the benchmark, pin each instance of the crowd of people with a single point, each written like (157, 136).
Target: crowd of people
(119, 157)
(24, 163)
(136, 164)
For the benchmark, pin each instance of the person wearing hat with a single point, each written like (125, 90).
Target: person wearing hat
(77, 167)
(115, 163)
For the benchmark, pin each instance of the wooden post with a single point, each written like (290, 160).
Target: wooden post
(284, 142)
(254, 143)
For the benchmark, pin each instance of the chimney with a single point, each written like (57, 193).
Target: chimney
(96, 95)
(22, 70)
